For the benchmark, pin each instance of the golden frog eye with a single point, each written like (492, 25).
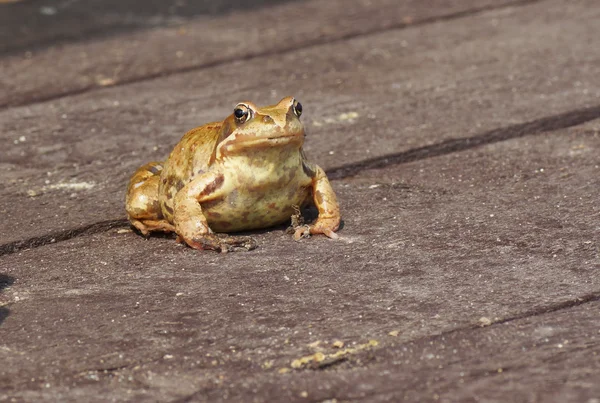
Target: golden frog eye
(242, 113)
(297, 108)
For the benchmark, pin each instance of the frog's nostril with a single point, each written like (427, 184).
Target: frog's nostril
(268, 120)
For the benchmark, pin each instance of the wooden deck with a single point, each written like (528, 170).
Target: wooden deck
(462, 139)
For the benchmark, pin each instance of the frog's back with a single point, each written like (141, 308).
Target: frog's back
(192, 156)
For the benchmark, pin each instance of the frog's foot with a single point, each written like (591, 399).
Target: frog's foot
(326, 227)
(222, 243)
(301, 231)
(147, 226)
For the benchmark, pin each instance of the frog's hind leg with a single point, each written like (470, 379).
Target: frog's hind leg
(142, 204)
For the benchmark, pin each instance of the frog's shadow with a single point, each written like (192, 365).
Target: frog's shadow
(309, 214)
(5, 282)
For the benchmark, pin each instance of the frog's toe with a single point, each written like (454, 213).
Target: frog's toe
(326, 227)
(305, 231)
(223, 243)
(330, 234)
(204, 242)
(237, 243)
(301, 231)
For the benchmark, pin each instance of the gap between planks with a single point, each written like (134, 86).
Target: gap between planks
(283, 51)
(579, 301)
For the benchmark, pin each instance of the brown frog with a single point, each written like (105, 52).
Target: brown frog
(247, 172)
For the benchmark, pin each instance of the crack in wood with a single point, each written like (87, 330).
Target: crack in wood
(578, 301)
(268, 53)
(532, 313)
(427, 340)
(593, 297)
(59, 236)
(534, 127)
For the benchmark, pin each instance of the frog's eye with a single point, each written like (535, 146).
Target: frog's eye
(297, 108)
(242, 113)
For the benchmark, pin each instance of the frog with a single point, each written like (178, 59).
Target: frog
(248, 172)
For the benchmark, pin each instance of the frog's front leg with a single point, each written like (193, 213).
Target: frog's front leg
(329, 210)
(191, 224)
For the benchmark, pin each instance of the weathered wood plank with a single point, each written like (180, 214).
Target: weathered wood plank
(393, 91)
(27, 26)
(551, 358)
(478, 234)
(188, 45)
(447, 82)
(501, 225)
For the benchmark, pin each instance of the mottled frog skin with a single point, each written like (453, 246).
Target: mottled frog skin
(247, 172)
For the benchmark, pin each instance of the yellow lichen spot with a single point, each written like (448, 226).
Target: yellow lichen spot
(302, 361)
(338, 344)
(283, 370)
(348, 116)
(105, 81)
(483, 321)
(394, 333)
(70, 186)
(304, 394)
(314, 344)
(320, 357)
(268, 364)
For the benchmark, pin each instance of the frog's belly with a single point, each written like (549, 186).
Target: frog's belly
(241, 211)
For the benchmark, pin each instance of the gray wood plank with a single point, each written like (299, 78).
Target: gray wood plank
(66, 162)
(27, 26)
(551, 358)
(465, 239)
(176, 45)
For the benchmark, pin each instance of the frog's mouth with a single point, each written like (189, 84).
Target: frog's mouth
(245, 142)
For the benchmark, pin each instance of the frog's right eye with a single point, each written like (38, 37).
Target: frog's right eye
(297, 108)
(242, 113)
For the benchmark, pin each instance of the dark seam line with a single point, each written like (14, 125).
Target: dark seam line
(593, 297)
(282, 51)
(59, 236)
(539, 126)
(535, 127)
(578, 301)
(550, 309)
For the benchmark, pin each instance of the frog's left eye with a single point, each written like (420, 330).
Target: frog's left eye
(242, 113)
(297, 108)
